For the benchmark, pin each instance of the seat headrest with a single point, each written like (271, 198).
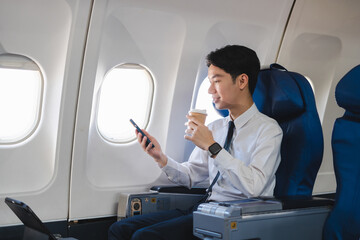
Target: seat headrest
(277, 94)
(347, 92)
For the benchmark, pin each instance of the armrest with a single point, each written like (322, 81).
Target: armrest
(262, 218)
(178, 189)
(159, 199)
(305, 202)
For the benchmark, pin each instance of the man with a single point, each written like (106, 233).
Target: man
(244, 167)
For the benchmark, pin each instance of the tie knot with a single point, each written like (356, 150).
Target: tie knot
(231, 124)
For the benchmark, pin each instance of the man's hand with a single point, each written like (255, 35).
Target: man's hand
(154, 152)
(198, 133)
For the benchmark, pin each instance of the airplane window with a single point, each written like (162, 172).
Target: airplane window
(126, 92)
(204, 101)
(21, 86)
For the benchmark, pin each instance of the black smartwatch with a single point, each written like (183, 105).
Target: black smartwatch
(214, 149)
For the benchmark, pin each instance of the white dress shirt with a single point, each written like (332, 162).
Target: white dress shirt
(247, 170)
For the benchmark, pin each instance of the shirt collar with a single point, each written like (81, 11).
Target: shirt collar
(241, 120)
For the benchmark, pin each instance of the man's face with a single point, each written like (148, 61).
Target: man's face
(222, 89)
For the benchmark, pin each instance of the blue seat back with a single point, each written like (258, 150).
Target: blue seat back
(289, 99)
(344, 220)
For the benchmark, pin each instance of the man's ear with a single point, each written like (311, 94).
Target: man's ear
(242, 80)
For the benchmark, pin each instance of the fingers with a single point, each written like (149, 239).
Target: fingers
(151, 139)
(191, 125)
(142, 140)
(139, 136)
(189, 131)
(187, 137)
(149, 146)
(193, 120)
(147, 134)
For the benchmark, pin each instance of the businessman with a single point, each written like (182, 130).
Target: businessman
(239, 153)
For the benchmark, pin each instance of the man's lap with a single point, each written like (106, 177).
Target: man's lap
(173, 224)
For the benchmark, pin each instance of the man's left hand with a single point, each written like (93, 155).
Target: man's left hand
(198, 133)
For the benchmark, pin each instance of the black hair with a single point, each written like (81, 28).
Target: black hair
(236, 60)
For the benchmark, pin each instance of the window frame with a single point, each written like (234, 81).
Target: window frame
(147, 115)
(21, 62)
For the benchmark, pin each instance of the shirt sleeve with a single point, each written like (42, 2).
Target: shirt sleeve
(253, 178)
(189, 173)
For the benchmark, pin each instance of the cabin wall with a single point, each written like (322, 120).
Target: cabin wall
(171, 40)
(37, 169)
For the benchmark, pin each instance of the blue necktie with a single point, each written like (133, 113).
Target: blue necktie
(226, 147)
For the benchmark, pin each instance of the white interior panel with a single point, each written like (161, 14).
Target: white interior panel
(171, 39)
(36, 170)
(323, 45)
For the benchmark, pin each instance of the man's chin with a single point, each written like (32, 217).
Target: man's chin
(219, 107)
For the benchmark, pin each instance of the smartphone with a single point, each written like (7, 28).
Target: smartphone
(142, 133)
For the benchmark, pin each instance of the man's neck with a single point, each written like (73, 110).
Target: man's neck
(240, 109)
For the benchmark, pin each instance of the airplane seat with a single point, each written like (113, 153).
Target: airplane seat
(344, 220)
(293, 213)
(288, 98)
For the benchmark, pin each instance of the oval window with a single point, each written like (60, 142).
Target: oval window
(21, 85)
(126, 92)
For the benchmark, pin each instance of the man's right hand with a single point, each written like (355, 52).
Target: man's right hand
(155, 152)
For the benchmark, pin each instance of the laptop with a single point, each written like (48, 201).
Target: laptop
(29, 218)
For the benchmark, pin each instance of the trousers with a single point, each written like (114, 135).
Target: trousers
(166, 225)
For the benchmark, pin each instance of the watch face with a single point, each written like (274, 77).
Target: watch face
(215, 148)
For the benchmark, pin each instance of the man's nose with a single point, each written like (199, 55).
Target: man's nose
(211, 89)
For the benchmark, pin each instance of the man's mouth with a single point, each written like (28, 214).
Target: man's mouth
(216, 99)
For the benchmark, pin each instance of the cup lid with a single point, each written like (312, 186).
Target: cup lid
(202, 111)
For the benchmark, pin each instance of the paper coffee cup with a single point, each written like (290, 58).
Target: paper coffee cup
(199, 114)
